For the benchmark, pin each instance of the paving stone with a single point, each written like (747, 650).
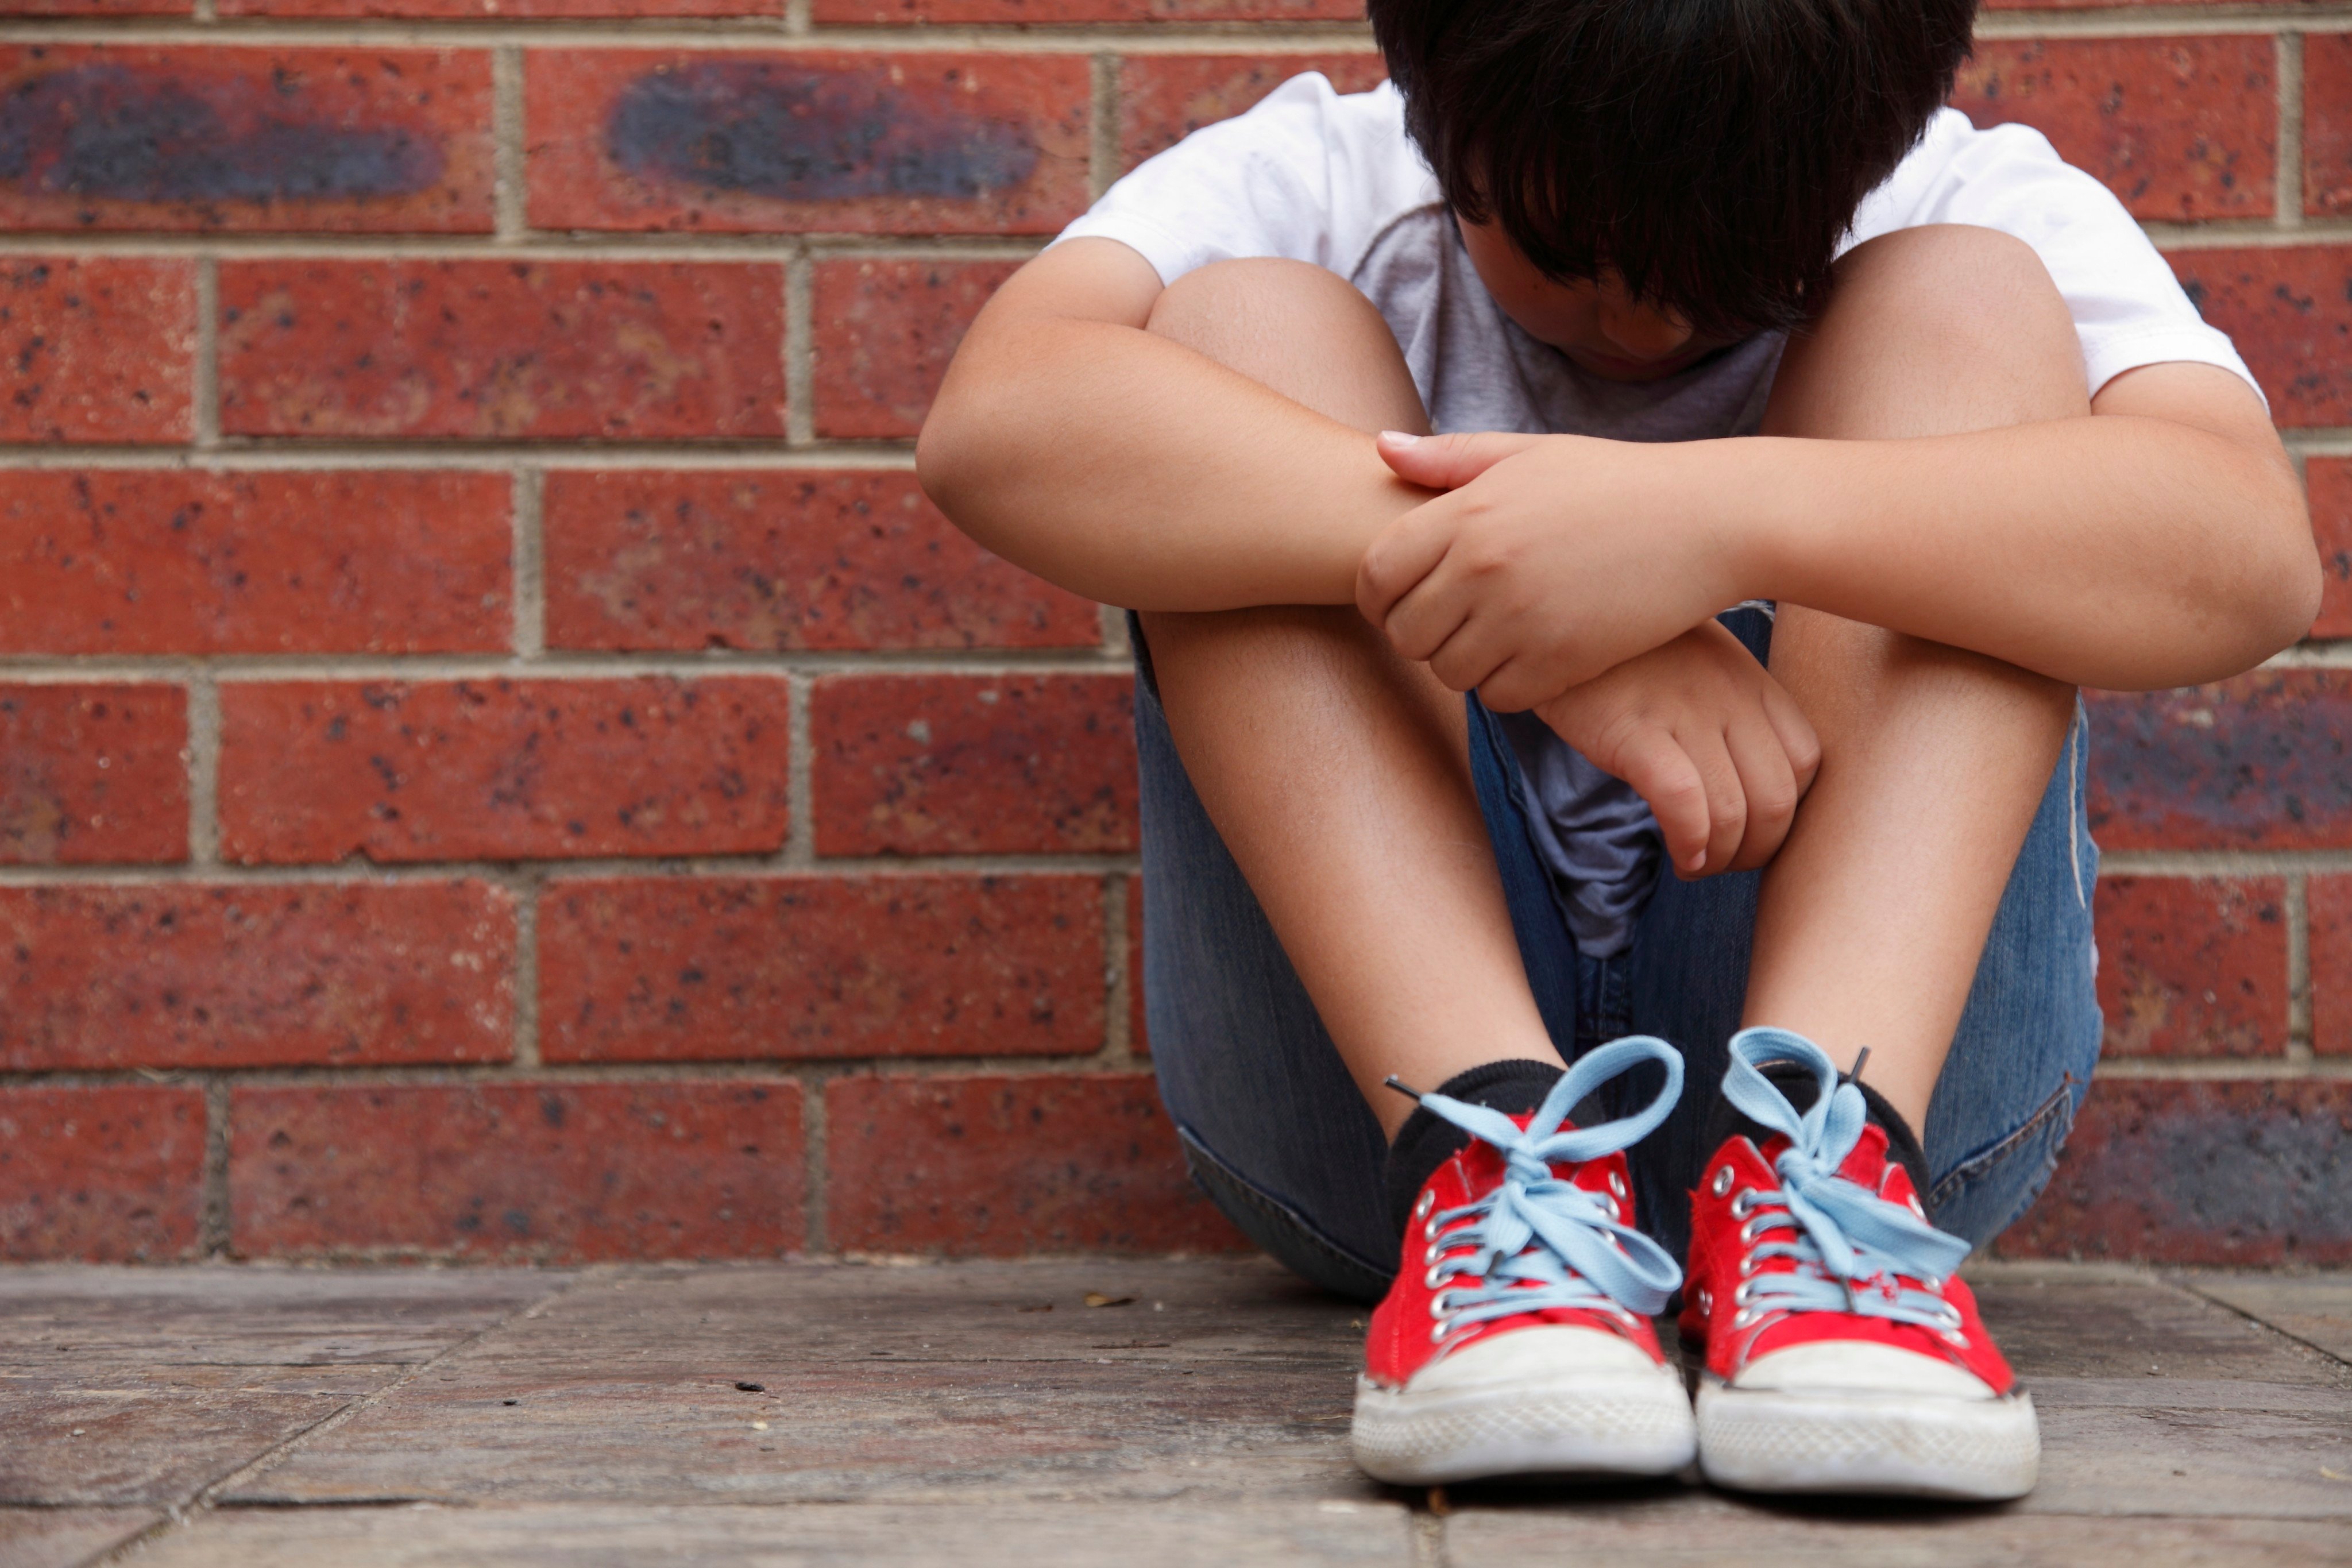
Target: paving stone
(1703, 1529)
(885, 1430)
(61, 1537)
(985, 1536)
(2060, 1323)
(748, 1323)
(877, 1383)
(2193, 1448)
(124, 1386)
(2318, 1312)
(59, 1315)
(159, 1435)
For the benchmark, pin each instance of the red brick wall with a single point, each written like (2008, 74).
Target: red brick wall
(498, 761)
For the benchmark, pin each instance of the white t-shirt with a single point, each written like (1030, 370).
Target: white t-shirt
(1318, 177)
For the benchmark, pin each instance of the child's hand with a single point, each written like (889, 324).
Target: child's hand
(1705, 735)
(1551, 559)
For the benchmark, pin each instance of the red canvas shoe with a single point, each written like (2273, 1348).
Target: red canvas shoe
(1517, 1339)
(1841, 1355)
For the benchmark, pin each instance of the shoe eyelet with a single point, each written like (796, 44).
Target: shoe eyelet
(1705, 1301)
(1739, 1296)
(1429, 1280)
(1955, 1337)
(1430, 1256)
(1437, 1308)
(1616, 1183)
(1748, 1264)
(1427, 1202)
(1745, 1204)
(1744, 1317)
(1722, 1183)
(1615, 1214)
(1747, 1232)
(1437, 1332)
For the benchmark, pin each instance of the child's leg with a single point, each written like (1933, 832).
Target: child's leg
(1871, 920)
(1336, 772)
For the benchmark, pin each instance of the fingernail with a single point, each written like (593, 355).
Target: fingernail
(1698, 861)
(1399, 437)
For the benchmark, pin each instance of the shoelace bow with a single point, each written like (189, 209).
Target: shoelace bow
(1537, 1241)
(1853, 1248)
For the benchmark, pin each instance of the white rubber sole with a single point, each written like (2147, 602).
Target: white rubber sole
(1618, 1425)
(1773, 1440)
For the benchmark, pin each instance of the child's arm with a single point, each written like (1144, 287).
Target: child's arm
(2158, 542)
(1125, 466)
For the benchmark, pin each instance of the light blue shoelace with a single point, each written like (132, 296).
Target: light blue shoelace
(1536, 1241)
(1850, 1245)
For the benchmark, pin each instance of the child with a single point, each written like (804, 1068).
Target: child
(1986, 452)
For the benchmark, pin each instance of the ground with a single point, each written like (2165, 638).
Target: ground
(1066, 1412)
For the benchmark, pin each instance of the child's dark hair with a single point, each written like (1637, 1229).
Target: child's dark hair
(1711, 152)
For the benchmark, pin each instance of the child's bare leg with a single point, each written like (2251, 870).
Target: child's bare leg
(1871, 920)
(1337, 773)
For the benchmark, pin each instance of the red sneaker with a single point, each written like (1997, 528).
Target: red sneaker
(1841, 1355)
(1516, 1338)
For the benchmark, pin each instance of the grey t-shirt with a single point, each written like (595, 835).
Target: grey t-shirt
(1477, 370)
(1321, 178)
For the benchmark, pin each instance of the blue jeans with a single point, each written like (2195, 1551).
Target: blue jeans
(1276, 1134)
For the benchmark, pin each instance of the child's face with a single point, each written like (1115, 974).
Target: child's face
(1595, 324)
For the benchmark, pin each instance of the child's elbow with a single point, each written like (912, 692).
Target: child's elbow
(2285, 582)
(946, 460)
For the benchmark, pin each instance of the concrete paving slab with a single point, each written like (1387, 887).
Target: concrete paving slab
(62, 1536)
(243, 1316)
(2061, 1322)
(972, 1535)
(2317, 1311)
(1706, 1529)
(835, 1432)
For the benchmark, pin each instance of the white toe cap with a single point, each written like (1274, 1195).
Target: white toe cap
(1539, 1353)
(1860, 1366)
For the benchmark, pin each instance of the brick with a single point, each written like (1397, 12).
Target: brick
(92, 774)
(501, 349)
(902, 144)
(2331, 965)
(2260, 762)
(2327, 124)
(102, 8)
(2180, 129)
(109, 1174)
(2289, 311)
(999, 1166)
(954, 764)
(2329, 483)
(503, 10)
(884, 333)
(1162, 99)
(855, 12)
(170, 560)
(201, 138)
(226, 977)
(517, 1172)
(2193, 966)
(316, 771)
(820, 967)
(786, 560)
(102, 349)
(2244, 1172)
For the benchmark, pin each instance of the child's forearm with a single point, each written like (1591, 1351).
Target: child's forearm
(1124, 466)
(2112, 552)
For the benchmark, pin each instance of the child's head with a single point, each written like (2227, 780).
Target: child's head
(1702, 157)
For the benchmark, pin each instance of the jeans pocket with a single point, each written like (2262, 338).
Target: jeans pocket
(1986, 1193)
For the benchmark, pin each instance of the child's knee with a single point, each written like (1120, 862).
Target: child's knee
(1297, 327)
(1970, 299)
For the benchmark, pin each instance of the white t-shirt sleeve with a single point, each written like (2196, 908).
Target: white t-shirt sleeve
(2128, 308)
(1308, 174)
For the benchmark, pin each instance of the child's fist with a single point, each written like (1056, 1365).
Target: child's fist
(1705, 735)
